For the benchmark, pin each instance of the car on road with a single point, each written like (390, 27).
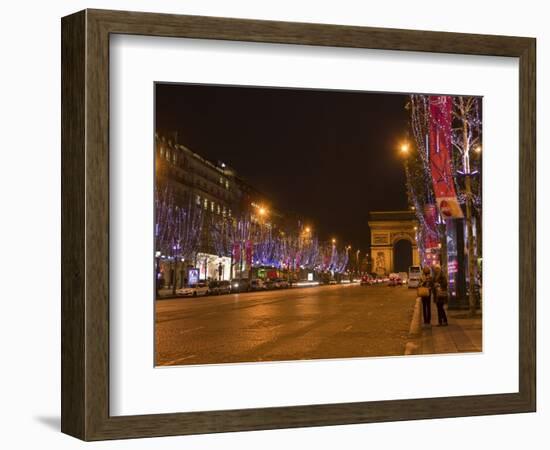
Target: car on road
(415, 273)
(404, 277)
(219, 287)
(367, 280)
(379, 279)
(240, 285)
(281, 283)
(258, 285)
(394, 280)
(194, 290)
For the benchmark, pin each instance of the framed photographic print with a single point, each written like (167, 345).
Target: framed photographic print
(271, 225)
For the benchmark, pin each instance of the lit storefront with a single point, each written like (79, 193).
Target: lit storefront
(213, 267)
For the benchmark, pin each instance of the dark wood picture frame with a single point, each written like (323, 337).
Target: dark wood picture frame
(85, 224)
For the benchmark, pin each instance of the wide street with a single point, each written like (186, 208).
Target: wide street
(336, 321)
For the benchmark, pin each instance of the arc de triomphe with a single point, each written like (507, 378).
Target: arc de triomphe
(393, 245)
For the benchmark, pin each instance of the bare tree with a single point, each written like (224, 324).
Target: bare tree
(177, 230)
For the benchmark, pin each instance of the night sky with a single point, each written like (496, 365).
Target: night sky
(330, 156)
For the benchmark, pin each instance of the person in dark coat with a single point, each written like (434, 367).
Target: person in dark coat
(426, 282)
(440, 285)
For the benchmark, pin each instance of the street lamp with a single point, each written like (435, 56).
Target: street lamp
(333, 241)
(404, 149)
(157, 272)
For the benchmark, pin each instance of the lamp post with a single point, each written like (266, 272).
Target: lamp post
(464, 108)
(348, 248)
(472, 302)
(263, 213)
(157, 273)
(174, 265)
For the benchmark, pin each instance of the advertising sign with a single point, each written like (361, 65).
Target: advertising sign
(440, 156)
(430, 233)
(192, 276)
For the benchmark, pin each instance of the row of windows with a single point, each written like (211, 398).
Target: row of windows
(170, 156)
(214, 207)
(224, 182)
(213, 191)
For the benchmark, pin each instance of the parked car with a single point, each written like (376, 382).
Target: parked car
(194, 290)
(258, 285)
(404, 277)
(415, 273)
(240, 285)
(269, 283)
(367, 280)
(219, 287)
(281, 283)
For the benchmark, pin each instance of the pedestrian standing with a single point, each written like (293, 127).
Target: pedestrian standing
(425, 292)
(440, 284)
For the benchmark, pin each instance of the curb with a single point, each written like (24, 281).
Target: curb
(172, 296)
(412, 347)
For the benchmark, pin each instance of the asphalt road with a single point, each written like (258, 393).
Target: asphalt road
(337, 321)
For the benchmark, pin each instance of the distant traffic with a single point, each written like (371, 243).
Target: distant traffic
(240, 285)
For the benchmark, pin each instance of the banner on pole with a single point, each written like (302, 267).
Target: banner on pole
(440, 147)
(248, 253)
(430, 233)
(237, 252)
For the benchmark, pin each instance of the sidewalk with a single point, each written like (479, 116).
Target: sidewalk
(462, 335)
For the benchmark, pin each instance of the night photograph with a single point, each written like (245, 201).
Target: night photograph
(302, 224)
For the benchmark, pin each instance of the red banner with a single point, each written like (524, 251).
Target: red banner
(237, 253)
(440, 156)
(248, 253)
(430, 232)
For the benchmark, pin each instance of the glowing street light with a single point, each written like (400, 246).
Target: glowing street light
(477, 149)
(333, 241)
(262, 211)
(308, 230)
(404, 148)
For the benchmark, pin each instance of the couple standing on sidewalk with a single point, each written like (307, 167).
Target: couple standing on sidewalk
(433, 285)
